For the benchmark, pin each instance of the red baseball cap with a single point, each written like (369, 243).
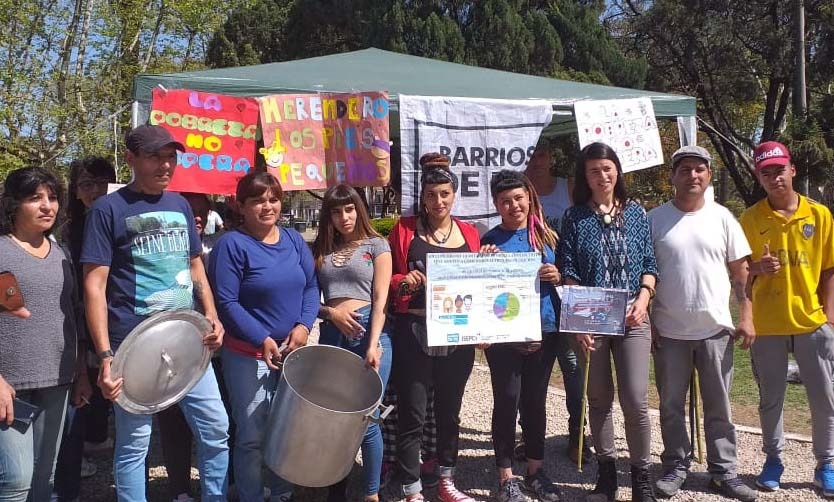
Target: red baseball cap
(771, 153)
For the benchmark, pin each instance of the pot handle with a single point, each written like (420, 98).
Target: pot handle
(384, 412)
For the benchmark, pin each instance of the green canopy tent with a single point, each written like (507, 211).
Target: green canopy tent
(375, 69)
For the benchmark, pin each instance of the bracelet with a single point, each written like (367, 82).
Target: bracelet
(303, 326)
(650, 289)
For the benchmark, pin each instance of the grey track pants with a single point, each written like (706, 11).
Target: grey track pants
(673, 364)
(770, 364)
(631, 360)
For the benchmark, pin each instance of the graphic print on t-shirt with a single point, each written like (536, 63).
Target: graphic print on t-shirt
(160, 254)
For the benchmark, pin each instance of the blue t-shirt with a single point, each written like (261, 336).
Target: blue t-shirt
(148, 242)
(518, 241)
(263, 289)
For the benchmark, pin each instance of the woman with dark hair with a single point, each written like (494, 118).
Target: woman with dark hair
(418, 367)
(264, 318)
(354, 271)
(606, 242)
(38, 354)
(89, 178)
(520, 372)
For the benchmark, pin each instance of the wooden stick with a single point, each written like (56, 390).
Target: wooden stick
(584, 405)
(699, 435)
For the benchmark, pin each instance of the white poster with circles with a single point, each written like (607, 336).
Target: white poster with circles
(626, 125)
(482, 298)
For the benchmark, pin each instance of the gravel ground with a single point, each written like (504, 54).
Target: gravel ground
(476, 471)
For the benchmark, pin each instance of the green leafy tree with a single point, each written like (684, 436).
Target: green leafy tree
(557, 38)
(736, 57)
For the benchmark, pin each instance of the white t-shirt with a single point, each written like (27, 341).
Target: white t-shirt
(214, 222)
(556, 203)
(692, 251)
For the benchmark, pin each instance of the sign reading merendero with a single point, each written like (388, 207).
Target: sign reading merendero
(482, 298)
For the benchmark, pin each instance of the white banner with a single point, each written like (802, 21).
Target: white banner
(626, 125)
(480, 136)
(482, 298)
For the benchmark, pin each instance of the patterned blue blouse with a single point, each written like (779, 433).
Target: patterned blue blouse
(610, 256)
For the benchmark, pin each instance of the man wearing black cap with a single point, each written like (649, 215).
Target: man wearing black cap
(695, 241)
(141, 256)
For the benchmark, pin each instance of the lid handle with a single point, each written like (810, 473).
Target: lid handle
(169, 363)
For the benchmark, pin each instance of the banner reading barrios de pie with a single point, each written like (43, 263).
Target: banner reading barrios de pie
(219, 134)
(314, 141)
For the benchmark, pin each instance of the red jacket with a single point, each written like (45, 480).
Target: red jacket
(400, 240)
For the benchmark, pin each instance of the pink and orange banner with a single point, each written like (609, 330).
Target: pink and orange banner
(219, 133)
(313, 141)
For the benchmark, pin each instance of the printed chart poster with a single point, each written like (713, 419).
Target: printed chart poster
(626, 125)
(475, 298)
(480, 136)
(313, 141)
(599, 311)
(219, 134)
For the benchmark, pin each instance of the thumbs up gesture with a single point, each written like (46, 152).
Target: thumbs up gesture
(769, 264)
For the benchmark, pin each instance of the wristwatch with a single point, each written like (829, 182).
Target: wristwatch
(104, 354)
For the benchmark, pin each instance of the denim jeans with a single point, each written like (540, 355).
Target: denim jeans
(207, 418)
(252, 387)
(27, 460)
(372, 446)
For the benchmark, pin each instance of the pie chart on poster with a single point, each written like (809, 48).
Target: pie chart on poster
(506, 306)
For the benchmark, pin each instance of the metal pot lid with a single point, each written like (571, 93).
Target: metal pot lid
(161, 360)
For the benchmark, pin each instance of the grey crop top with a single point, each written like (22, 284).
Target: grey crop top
(355, 277)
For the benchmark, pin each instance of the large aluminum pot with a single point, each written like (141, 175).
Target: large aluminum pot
(325, 399)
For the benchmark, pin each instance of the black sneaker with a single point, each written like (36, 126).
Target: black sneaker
(671, 481)
(510, 491)
(733, 488)
(541, 486)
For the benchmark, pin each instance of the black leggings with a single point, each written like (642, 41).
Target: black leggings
(519, 384)
(414, 374)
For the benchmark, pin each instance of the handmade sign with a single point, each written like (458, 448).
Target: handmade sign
(480, 137)
(482, 298)
(626, 125)
(219, 133)
(314, 141)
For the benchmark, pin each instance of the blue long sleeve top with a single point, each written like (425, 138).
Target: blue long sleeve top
(581, 248)
(263, 289)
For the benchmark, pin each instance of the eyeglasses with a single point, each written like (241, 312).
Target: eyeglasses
(91, 184)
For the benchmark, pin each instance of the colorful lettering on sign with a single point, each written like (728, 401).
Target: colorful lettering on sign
(314, 141)
(219, 133)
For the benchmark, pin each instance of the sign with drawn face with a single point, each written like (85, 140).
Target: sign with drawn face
(626, 125)
(313, 141)
(219, 133)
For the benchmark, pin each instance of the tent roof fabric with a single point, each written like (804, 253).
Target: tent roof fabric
(379, 70)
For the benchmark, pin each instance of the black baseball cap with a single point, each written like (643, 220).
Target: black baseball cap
(150, 139)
